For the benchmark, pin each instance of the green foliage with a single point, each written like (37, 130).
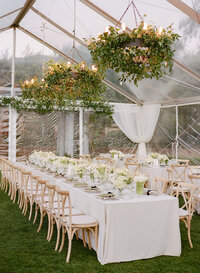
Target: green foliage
(151, 60)
(63, 86)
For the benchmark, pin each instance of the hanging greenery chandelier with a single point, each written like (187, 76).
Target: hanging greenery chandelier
(145, 52)
(64, 86)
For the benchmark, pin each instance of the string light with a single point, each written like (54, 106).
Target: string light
(68, 64)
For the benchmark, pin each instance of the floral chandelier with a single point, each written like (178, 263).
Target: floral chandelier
(64, 86)
(145, 52)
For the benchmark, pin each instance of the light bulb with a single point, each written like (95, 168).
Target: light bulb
(27, 82)
(123, 26)
(32, 80)
(68, 64)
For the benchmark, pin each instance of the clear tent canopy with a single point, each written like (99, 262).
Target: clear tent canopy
(57, 24)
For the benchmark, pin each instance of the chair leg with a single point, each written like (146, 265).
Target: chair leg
(51, 229)
(83, 235)
(49, 226)
(58, 235)
(63, 239)
(31, 210)
(189, 234)
(89, 241)
(36, 213)
(69, 246)
(42, 213)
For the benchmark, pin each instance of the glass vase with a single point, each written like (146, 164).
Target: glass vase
(139, 188)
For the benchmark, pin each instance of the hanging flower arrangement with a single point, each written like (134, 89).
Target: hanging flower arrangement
(64, 86)
(146, 52)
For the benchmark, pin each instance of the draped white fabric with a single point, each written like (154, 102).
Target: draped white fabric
(137, 123)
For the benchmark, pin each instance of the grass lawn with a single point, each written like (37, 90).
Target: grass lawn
(23, 250)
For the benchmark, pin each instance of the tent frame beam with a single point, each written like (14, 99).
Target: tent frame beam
(194, 15)
(23, 12)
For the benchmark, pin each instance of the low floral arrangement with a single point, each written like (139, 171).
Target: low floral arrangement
(162, 158)
(118, 177)
(118, 153)
(151, 55)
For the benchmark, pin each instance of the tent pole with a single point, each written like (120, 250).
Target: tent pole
(12, 112)
(80, 131)
(177, 132)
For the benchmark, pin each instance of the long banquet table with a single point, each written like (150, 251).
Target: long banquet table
(138, 228)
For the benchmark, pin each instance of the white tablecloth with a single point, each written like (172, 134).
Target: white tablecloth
(139, 228)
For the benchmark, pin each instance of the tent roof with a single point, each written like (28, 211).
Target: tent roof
(91, 17)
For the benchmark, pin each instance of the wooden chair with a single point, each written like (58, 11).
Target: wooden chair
(194, 170)
(177, 173)
(195, 180)
(186, 210)
(52, 212)
(40, 201)
(71, 224)
(160, 184)
(133, 167)
(132, 159)
(23, 187)
(86, 157)
(104, 160)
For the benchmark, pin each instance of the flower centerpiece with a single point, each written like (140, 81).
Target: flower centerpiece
(156, 158)
(140, 181)
(118, 154)
(163, 159)
(121, 178)
(145, 52)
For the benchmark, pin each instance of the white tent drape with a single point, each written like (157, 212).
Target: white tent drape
(137, 123)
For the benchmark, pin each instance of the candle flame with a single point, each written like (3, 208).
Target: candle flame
(123, 26)
(145, 26)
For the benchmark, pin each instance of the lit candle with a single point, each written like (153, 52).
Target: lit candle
(107, 29)
(123, 26)
(145, 26)
(98, 37)
(160, 30)
(94, 68)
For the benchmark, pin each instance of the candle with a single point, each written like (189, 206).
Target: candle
(123, 26)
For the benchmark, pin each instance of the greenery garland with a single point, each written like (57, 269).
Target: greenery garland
(45, 106)
(151, 60)
(64, 86)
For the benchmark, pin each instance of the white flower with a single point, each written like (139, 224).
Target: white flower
(140, 178)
